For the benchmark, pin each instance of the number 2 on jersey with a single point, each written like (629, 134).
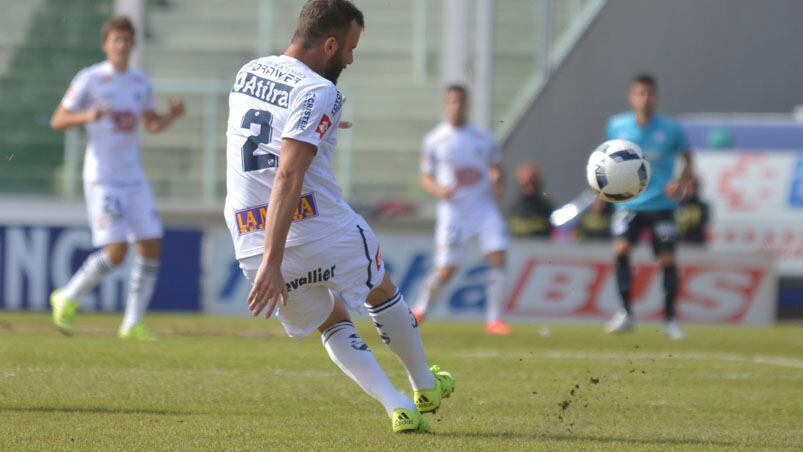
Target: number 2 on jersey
(253, 162)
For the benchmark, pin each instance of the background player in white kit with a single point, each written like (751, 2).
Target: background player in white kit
(461, 165)
(297, 240)
(109, 98)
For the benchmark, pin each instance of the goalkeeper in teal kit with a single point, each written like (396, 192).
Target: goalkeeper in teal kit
(663, 142)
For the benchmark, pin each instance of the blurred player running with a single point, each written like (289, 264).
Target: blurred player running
(461, 165)
(297, 240)
(109, 98)
(662, 141)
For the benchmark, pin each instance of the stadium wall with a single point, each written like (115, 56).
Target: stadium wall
(563, 282)
(716, 55)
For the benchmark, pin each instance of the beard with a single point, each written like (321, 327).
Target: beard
(334, 67)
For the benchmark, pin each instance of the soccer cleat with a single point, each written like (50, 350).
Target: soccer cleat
(137, 332)
(672, 330)
(429, 400)
(63, 311)
(408, 421)
(497, 327)
(620, 323)
(419, 315)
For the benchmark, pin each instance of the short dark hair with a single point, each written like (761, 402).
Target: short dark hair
(458, 88)
(117, 23)
(321, 19)
(645, 78)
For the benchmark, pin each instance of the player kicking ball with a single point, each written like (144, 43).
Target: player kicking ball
(662, 141)
(298, 242)
(461, 166)
(108, 99)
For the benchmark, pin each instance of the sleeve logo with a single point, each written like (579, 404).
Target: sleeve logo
(323, 126)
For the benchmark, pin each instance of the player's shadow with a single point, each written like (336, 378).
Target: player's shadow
(590, 438)
(99, 410)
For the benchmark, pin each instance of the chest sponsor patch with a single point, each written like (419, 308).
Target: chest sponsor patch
(252, 219)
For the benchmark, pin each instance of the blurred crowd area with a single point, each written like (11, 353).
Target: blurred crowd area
(531, 213)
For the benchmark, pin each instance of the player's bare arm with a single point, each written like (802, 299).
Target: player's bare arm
(64, 119)
(155, 122)
(269, 284)
(435, 189)
(677, 188)
(495, 175)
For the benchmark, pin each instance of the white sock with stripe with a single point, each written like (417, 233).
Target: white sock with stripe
(347, 349)
(140, 290)
(495, 294)
(398, 329)
(91, 273)
(432, 291)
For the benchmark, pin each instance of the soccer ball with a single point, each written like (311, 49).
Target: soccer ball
(618, 171)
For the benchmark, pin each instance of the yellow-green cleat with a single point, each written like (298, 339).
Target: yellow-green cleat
(429, 400)
(408, 421)
(64, 311)
(137, 332)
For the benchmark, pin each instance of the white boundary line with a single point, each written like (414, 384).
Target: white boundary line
(781, 361)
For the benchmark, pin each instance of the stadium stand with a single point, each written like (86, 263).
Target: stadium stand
(48, 42)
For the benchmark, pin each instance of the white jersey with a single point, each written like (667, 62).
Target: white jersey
(273, 98)
(460, 158)
(112, 153)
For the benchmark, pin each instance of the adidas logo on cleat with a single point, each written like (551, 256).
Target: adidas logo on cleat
(403, 420)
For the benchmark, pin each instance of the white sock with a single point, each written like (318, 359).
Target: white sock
(398, 329)
(91, 273)
(432, 291)
(347, 349)
(140, 290)
(495, 293)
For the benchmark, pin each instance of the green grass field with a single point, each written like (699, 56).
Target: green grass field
(239, 384)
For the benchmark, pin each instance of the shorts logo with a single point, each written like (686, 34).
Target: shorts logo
(313, 277)
(378, 259)
(323, 126)
(253, 219)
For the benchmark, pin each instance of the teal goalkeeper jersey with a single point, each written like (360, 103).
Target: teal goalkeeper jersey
(662, 141)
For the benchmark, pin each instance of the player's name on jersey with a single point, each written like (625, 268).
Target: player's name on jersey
(279, 73)
(269, 91)
(252, 219)
(313, 277)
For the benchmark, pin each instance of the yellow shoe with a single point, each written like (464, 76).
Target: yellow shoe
(408, 421)
(137, 332)
(429, 400)
(63, 311)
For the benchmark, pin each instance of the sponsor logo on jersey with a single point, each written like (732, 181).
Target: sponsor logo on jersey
(274, 93)
(467, 176)
(318, 275)
(323, 126)
(124, 121)
(253, 219)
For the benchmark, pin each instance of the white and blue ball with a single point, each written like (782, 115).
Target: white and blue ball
(618, 171)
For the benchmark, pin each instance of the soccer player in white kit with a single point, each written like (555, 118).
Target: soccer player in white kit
(461, 165)
(109, 99)
(298, 242)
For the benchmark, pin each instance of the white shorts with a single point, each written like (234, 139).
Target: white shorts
(452, 237)
(349, 265)
(121, 213)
